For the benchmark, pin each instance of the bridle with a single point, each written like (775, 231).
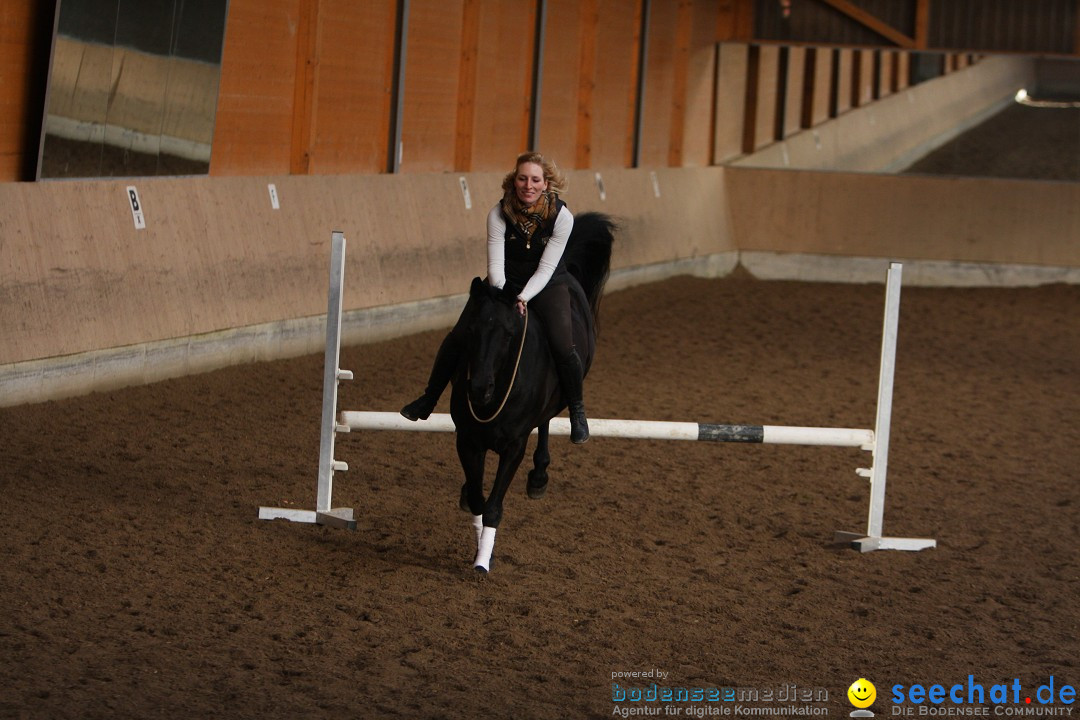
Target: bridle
(517, 364)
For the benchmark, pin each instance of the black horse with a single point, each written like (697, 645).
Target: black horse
(507, 384)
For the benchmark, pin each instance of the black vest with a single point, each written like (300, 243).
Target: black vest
(523, 253)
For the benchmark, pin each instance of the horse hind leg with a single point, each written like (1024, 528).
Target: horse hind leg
(538, 477)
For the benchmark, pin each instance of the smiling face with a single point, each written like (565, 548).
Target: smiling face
(862, 693)
(529, 183)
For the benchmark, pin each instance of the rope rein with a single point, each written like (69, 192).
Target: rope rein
(513, 378)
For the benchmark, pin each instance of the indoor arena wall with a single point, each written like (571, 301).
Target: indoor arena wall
(218, 276)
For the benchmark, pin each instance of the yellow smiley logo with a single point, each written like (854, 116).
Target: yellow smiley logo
(862, 693)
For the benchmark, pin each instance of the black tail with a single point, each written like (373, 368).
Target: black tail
(588, 254)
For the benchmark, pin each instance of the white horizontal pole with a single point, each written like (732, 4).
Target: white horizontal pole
(640, 429)
(364, 420)
(836, 437)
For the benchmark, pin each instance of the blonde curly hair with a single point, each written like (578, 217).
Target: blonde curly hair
(556, 181)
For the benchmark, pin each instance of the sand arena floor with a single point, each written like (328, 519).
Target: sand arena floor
(137, 581)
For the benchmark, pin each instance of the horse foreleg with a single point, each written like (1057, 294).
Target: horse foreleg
(472, 464)
(472, 491)
(538, 477)
(509, 461)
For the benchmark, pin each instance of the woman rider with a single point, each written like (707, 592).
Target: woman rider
(527, 234)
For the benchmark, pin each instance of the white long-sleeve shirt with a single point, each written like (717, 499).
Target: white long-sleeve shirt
(549, 260)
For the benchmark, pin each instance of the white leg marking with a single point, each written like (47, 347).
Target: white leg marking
(483, 551)
(478, 525)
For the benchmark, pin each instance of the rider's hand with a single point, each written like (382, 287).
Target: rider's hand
(520, 307)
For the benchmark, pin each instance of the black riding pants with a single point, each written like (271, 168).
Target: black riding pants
(552, 304)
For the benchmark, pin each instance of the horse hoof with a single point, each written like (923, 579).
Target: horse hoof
(537, 484)
(484, 569)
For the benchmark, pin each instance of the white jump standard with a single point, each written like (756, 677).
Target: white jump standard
(323, 514)
(875, 441)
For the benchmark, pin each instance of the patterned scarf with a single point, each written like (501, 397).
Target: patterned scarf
(528, 218)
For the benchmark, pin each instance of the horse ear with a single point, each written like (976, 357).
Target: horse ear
(478, 287)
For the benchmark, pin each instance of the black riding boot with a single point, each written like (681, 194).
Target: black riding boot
(571, 377)
(445, 363)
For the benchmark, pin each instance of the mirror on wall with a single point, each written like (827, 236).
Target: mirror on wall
(133, 87)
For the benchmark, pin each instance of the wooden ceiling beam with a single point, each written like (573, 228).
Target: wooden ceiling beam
(735, 21)
(922, 24)
(866, 19)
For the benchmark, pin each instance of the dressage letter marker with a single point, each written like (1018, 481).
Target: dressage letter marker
(874, 441)
(466, 196)
(136, 208)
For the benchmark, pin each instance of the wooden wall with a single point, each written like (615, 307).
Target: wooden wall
(467, 84)
(949, 219)
(91, 301)
(305, 87)
(308, 86)
(794, 91)
(14, 31)
(786, 89)
(253, 133)
(569, 74)
(761, 132)
(25, 31)
(732, 100)
(680, 85)
(889, 133)
(351, 108)
(306, 101)
(300, 94)
(816, 108)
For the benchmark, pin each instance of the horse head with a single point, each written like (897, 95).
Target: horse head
(493, 336)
